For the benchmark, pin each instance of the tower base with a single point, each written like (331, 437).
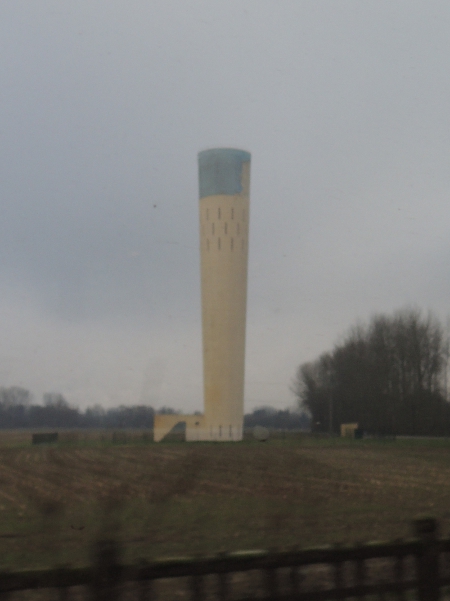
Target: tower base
(196, 428)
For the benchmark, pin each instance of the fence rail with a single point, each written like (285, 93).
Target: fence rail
(421, 565)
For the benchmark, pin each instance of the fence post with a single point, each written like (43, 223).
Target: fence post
(271, 578)
(338, 572)
(223, 591)
(399, 572)
(63, 591)
(144, 586)
(107, 576)
(294, 578)
(360, 575)
(197, 588)
(4, 595)
(427, 559)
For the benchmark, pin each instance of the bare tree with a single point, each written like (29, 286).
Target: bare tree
(389, 376)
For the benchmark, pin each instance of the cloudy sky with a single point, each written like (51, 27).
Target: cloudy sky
(104, 105)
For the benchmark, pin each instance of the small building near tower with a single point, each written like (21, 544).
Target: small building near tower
(350, 430)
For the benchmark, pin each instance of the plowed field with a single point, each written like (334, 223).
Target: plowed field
(178, 499)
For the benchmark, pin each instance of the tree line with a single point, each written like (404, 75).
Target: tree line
(389, 376)
(272, 418)
(18, 411)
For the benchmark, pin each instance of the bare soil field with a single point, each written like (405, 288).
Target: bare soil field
(173, 499)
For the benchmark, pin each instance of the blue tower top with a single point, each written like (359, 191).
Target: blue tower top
(220, 171)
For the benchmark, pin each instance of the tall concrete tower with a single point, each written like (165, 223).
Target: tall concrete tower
(224, 182)
(224, 178)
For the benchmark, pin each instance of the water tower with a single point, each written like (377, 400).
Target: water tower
(224, 181)
(224, 178)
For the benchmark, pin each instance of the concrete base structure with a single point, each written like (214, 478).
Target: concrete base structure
(195, 426)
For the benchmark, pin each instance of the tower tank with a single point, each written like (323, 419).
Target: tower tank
(224, 183)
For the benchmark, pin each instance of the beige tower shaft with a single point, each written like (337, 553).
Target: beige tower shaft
(224, 221)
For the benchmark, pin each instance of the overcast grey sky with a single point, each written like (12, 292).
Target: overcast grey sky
(345, 107)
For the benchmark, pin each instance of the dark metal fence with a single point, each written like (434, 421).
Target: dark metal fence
(44, 437)
(415, 569)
